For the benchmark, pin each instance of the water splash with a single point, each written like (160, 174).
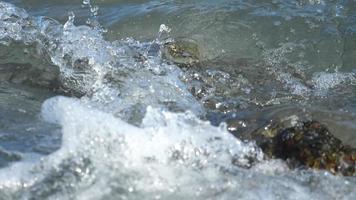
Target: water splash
(170, 156)
(101, 71)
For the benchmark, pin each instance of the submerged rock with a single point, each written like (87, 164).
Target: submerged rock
(182, 51)
(29, 74)
(309, 144)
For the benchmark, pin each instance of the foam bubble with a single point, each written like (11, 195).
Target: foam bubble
(323, 81)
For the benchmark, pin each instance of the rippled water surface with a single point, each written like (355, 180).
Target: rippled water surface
(91, 108)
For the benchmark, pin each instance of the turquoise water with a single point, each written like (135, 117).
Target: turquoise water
(90, 109)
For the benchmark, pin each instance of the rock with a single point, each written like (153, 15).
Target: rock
(182, 51)
(309, 144)
(30, 74)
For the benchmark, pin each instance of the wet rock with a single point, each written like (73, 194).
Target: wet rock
(182, 51)
(28, 74)
(309, 144)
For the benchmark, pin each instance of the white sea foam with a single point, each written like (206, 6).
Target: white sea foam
(168, 153)
(170, 156)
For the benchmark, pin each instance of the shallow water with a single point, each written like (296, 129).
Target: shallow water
(90, 109)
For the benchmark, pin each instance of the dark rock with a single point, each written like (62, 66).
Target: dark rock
(309, 144)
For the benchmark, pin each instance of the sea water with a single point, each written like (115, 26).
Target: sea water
(91, 109)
